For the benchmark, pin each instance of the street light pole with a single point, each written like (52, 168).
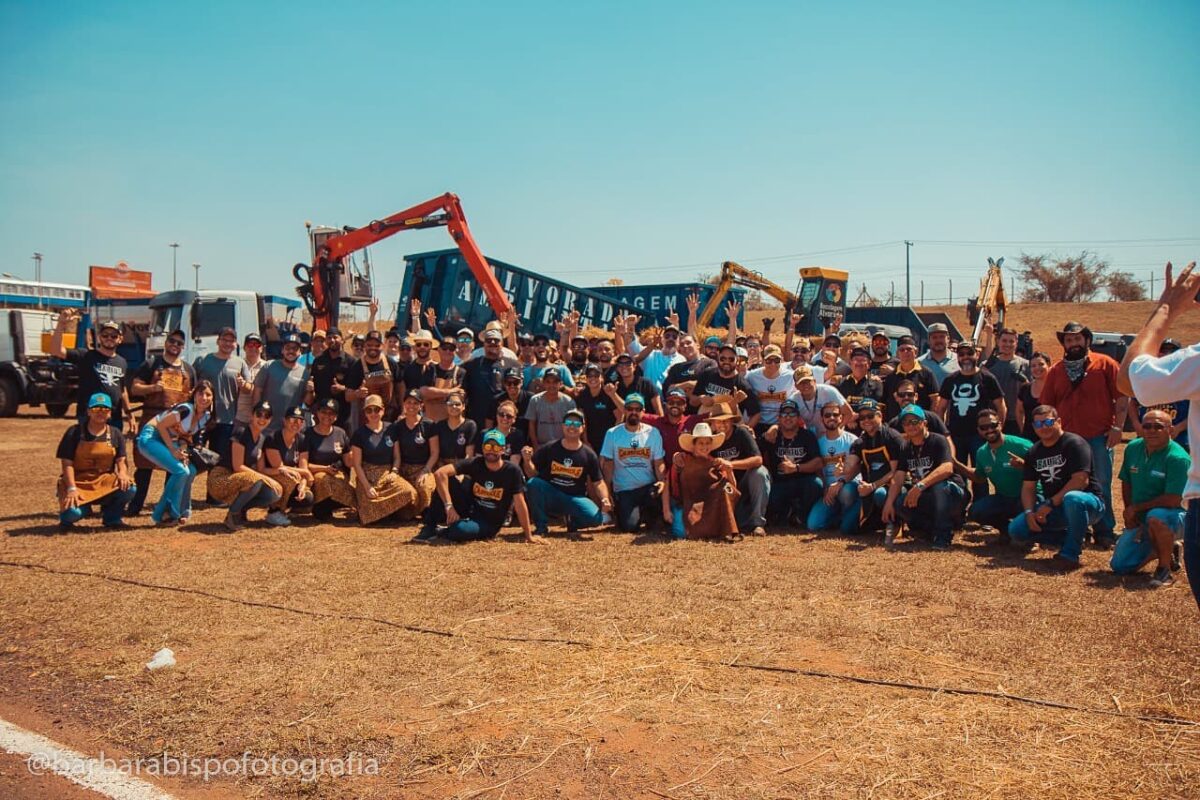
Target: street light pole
(37, 276)
(907, 273)
(174, 258)
(197, 268)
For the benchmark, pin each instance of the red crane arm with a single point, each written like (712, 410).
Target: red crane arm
(445, 210)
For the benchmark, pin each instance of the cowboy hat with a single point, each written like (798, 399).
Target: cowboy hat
(1074, 327)
(701, 431)
(723, 410)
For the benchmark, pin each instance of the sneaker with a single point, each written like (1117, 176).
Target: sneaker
(279, 519)
(759, 531)
(1176, 557)
(889, 536)
(1065, 564)
(1105, 541)
(212, 502)
(1162, 578)
(940, 545)
(425, 535)
(232, 523)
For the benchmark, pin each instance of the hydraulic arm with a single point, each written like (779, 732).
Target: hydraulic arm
(731, 273)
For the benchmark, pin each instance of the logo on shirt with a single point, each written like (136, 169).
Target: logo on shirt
(387, 441)
(566, 469)
(488, 491)
(626, 453)
(337, 447)
(770, 395)
(965, 396)
(462, 438)
(1049, 467)
(920, 466)
(419, 438)
(109, 374)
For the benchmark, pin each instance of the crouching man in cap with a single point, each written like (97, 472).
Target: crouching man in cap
(632, 461)
(934, 502)
(93, 467)
(559, 477)
(478, 506)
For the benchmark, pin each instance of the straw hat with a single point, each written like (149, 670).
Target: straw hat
(701, 431)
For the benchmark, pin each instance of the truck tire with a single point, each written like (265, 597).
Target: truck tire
(58, 409)
(10, 397)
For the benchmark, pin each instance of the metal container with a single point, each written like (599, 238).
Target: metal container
(655, 301)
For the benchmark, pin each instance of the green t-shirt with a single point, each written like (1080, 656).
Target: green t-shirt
(1152, 474)
(993, 465)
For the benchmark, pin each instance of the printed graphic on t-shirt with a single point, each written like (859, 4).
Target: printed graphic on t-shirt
(1049, 467)
(965, 396)
(626, 453)
(487, 493)
(567, 469)
(920, 466)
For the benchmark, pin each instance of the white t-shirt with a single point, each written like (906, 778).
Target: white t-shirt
(810, 410)
(632, 454)
(1167, 379)
(834, 452)
(770, 391)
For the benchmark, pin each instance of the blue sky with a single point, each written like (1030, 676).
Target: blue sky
(646, 141)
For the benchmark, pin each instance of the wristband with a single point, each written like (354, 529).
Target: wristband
(72, 489)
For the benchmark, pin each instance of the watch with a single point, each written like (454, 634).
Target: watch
(921, 485)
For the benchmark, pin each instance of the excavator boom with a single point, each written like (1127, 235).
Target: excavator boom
(731, 273)
(320, 283)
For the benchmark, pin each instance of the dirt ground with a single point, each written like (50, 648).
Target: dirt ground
(616, 667)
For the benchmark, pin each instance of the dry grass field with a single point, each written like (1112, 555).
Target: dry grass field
(617, 667)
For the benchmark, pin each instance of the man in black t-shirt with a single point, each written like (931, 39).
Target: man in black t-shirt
(873, 459)
(329, 375)
(934, 502)
(794, 460)
(693, 364)
(907, 368)
(962, 396)
(722, 381)
(482, 377)
(559, 479)
(479, 509)
(100, 370)
(1062, 463)
(859, 385)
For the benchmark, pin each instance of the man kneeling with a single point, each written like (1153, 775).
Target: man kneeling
(559, 476)
(93, 468)
(935, 501)
(479, 505)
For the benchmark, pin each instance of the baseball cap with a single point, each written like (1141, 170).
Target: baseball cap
(110, 325)
(574, 413)
(359, 338)
(334, 330)
(100, 400)
(290, 338)
(938, 327)
(868, 404)
(373, 401)
(965, 346)
(513, 374)
(491, 335)
(252, 337)
(414, 394)
(578, 338)
(675, 391)
(593, 369)
(495, 437)
(374, 336)
(879, 335)
(670, 328)
(789, 405)
(541, 337)
(859, 351)
(772, 351)
(551, 373)
(329, 404)
(318, 334)
(634, 397)
(465, 332)
(712, 340)
(803, 373)
(226, 331)
(741, 352)
(911, 410)
(903, 340)
(294, 412)
(832, 339)
(624, 358)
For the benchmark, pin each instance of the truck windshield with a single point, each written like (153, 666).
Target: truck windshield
(209, 318)
(166, 319)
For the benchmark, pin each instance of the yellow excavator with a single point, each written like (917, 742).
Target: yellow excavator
(731, 273)
(991, 298)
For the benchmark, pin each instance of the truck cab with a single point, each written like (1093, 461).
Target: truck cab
(201, 316)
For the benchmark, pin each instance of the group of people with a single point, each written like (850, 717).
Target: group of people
(694, 437)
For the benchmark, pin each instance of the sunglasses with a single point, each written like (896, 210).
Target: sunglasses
(572, 423)
(175, 342)
(424, 344)
(110, 335)
(988, 426)
(250, 343)
(492, 447)
(835, 415)
(465, 340)
(263, 414)
(506, 415)
(1150, 426)
(446, 346)
(789, 413)
(373, 410)
(1042, 424)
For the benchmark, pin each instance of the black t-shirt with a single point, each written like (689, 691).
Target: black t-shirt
(414, 441)
(515, 441)
(70, 440)
(876, 367)
(376, 447)
(326, 450)
(522, 403)
(289, 456)
(923, 382)
(932, 421)
(920, 460)
(99, 373)
(966, 396)
(1053, 466)
(738, 444)
(181, 376)
(711, 382)
(492, 491)
(483, 379)
(567, 470)
(326, 370)
(685, 371)
(856, 390)
(360, 370)
(800, 448)
(418, 375)
(251, 449)
(640, 385)
(599, 414)
(876, 451)
(453, 443)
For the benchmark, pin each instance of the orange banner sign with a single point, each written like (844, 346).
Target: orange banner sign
(119, 282)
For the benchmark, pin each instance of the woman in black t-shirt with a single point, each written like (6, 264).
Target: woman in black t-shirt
(380, 491)
(455, 434)
(240, 478)
(328, 448)
(417, 450)
(287, 461)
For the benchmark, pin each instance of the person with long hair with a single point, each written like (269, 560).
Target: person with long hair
(1028, 394)
(241, 479)
(380, 491)
(456, 433)
(328, 449)
(416, 452)
(164, 442)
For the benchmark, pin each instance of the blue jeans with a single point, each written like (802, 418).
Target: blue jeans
(1135, 547)
(547, 500)
(630, 505)
(1078, 511)
(1191, 546)
(177, 494)
(862, 508)
(469, 530)
(822, 515)
(112, 509)
(755, 486)
(793, 494)
(995, 510)
(938, 507)
(1102, 463)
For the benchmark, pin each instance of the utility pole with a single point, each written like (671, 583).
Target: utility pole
(922, 294)
(892, 294)
(1012, 291)
(1151, 284)
(174, 254)
(197, 268)
(37, 276)
(951, 292)
(907, 273)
